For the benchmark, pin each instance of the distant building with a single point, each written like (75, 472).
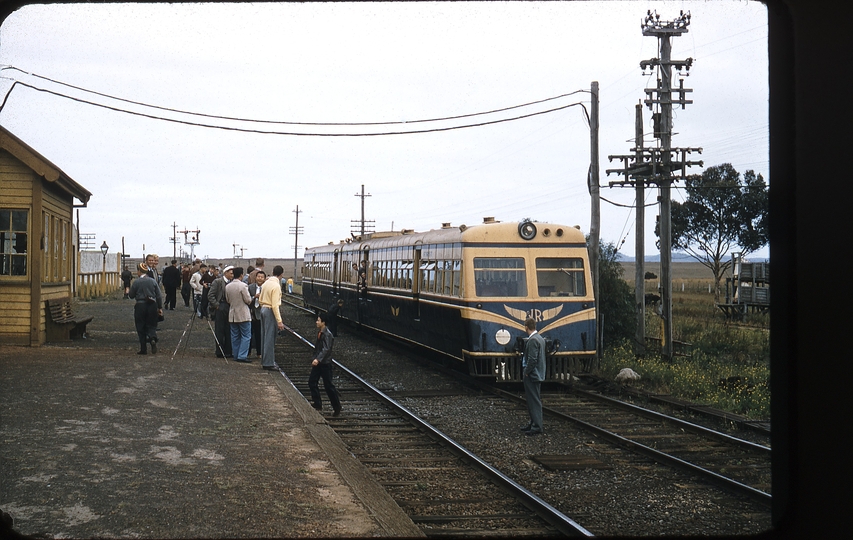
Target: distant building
(38, 242)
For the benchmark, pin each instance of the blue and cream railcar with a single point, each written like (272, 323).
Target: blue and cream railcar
(466, 291)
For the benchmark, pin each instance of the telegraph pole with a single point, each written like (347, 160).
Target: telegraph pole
(639, 244)
(595, 225)
(363, 222)
(174, 240)
(656, 166)
(296, 231)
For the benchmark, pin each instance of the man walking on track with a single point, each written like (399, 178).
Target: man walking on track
(321, 366)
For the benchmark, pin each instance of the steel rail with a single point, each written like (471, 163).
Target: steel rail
(564, 524)
(560, 521)
(738, 487)
(687, 426)
(661, 457)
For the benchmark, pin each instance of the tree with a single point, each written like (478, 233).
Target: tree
(724, 212)
(616, 297)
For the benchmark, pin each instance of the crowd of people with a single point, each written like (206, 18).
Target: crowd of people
(243, 304)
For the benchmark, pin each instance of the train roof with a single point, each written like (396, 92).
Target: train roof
(486, 232)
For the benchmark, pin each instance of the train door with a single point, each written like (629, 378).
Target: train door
(309, 275)
(416, 281)
(363, 281)
(336, 268)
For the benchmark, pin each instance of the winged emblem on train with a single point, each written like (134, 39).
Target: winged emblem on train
(535, 314)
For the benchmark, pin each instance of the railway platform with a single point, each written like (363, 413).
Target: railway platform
(97, 441)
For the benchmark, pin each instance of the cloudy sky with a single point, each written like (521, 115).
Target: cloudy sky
(246, 112)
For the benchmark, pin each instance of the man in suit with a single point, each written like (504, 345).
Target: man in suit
(151, 261)
(255, 307)
(171, 282)
(533, 367)
(219, 305)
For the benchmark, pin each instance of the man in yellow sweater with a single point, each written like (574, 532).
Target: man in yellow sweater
(270, 303)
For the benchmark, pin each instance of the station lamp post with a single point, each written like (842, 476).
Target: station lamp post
(104, 249)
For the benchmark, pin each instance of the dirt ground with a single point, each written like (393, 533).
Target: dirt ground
(97, 441)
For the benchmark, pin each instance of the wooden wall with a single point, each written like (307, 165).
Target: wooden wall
(49, 256)
(15, 292)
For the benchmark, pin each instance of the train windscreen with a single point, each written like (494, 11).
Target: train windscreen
(500, 276)
(560, 276)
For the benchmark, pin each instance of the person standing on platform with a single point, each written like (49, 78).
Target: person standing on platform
(197, 288)
(126, 276)
(239, 315)
(259, 267)
(171, 282)
(186, 290)
(255, 308)
(321, 367)
(290, 285)
(533, 367)
(270, 302)
(219, 306)
(151, 261)
(148, 307)
(207, 277)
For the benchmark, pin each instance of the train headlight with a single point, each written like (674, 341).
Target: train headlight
(502, 337)
(527, 230)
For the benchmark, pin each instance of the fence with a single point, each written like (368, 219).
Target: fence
(93, 284)
(98, 275)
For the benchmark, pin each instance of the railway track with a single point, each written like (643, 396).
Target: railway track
(446, 490)
(737, 466)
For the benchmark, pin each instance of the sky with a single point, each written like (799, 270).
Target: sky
(251, 116)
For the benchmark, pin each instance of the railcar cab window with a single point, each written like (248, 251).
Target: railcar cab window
(560, 277)
(500, 276)
(13, 242)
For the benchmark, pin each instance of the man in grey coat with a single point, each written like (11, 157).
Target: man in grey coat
(533, 366)
(148, 307)
(219, 306)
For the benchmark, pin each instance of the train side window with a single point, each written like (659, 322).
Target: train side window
(427, 276)
(457, 278)
(500, 276)
(447, 288)
(560, 276)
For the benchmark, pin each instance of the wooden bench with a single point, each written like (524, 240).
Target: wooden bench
(61, 323)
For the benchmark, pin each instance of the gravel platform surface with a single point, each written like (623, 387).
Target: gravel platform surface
(97, 441)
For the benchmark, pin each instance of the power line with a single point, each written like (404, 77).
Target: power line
(246, 130)
(457, 117)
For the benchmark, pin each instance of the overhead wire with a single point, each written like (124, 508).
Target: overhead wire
(281, 122)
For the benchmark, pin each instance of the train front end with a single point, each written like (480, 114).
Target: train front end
(520, 271)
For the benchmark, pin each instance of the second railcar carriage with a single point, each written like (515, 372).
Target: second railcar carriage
(466, 291)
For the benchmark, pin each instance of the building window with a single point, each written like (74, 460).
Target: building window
(13, 242)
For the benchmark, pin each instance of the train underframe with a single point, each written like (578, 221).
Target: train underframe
(506, 367)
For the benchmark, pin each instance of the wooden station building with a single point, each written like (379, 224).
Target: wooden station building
(38, 242)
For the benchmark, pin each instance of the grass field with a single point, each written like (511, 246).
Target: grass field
(728, 363)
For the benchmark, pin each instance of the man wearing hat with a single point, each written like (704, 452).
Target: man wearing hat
(219, 310)
(149, 305)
